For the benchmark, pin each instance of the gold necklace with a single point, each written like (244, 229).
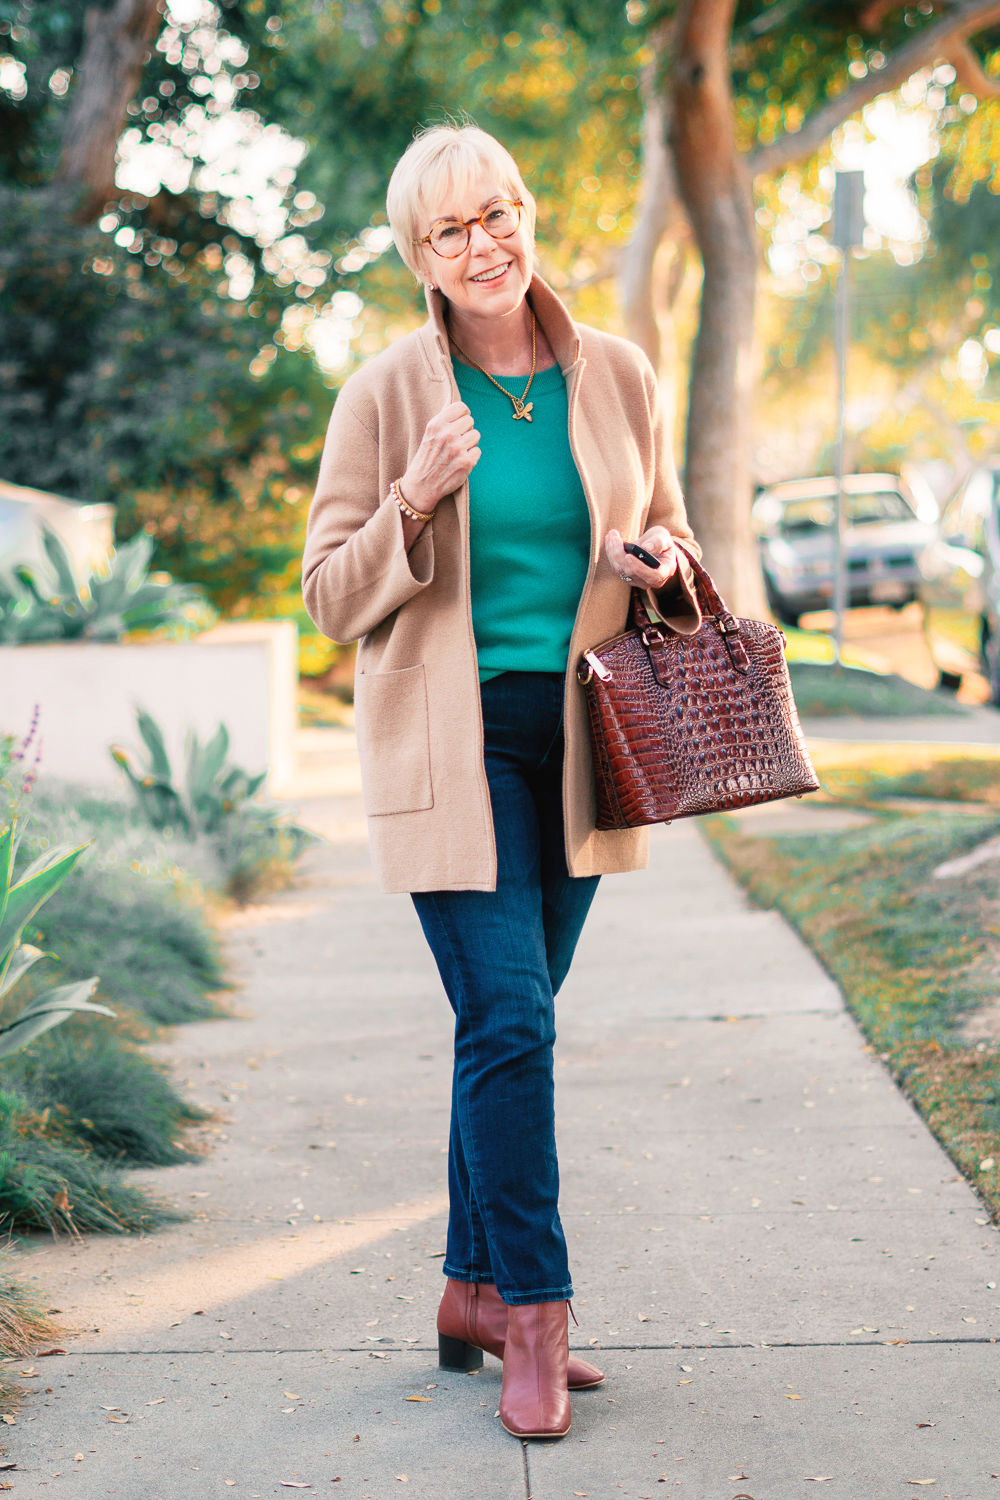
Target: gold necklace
(520, 409)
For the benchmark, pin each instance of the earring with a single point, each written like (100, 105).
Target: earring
(432, 286)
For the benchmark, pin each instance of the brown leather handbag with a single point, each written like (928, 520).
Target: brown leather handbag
(682, 725)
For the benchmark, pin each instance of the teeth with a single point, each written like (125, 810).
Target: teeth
(490, 275)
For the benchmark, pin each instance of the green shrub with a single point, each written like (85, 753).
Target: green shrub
(127, 911)
(155, 950)
(102, 1091)
(255, 844)
(56, 605)
(48, 1184)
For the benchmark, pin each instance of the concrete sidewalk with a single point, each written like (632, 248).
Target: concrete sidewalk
(792, 1291)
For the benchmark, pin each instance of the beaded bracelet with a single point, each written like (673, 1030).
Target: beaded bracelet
(408, 510)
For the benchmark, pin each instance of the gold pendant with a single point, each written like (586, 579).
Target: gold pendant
(520, 410)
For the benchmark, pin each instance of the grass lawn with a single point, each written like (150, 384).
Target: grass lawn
(917, 957)
(823, 690)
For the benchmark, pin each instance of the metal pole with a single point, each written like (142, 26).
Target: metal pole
(848, 231)
(840, 336)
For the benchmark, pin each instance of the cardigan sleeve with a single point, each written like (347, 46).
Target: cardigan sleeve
(355, 568)
(676, 604)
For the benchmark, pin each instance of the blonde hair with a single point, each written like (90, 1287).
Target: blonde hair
(439, 159)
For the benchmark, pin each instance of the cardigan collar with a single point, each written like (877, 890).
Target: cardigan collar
(551, 312)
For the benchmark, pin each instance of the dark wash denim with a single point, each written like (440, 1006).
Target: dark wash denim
(502, 956)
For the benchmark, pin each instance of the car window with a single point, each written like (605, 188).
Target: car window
(867, 508)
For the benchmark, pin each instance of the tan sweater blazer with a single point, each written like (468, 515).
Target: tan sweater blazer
(419, 720)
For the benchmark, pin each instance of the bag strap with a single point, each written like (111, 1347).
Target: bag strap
(713, 607)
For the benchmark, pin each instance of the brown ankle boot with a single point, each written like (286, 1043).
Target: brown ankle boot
(534, 1399)
(472, 1317)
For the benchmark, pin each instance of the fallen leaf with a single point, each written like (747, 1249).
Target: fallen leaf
(29, 1372)
(987, 1164)
(921, 1481)
(926, 1424)
(78, 1458)
(10, 1420)
(230, 1481)
(403, 1478)
(790, 1397)
(420, 1398)
(818, 1478)
(117, 1419)
(47, 1353)
(291, 1396)
(158, 1402)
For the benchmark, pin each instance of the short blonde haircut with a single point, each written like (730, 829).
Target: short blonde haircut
(440, 160)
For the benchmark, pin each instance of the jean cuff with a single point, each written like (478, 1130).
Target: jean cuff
(550, 1294)
(466, 1275)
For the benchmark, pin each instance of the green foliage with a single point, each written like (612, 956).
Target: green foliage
(20, 900)
(210, 792)
(122, 597)
(50, 1184)
(100, 1091)
(825, 690)
(256, 844)
(157, 955)
(913, 955)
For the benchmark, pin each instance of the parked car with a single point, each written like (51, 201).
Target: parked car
(86, 530)
(960, 590)
(888, 525)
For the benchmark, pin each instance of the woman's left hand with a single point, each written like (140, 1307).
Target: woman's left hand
(658, 541)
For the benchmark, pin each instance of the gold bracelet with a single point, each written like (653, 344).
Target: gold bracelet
(415, 515)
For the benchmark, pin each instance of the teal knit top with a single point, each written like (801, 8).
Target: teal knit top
(529, 527)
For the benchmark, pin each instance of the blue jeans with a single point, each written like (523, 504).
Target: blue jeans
(502, 956)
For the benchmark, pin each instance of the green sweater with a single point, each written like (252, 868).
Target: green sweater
(529, 528)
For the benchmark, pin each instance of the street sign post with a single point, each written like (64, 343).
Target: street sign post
(848, 232)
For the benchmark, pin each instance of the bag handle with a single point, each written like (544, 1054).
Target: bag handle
(713, 607)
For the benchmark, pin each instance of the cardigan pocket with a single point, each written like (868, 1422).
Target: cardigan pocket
(394, 741)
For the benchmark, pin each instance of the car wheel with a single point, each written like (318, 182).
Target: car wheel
(782, 612)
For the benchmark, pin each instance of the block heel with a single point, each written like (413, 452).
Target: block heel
(456, 1354)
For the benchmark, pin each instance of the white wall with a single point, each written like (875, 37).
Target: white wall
(242, 675)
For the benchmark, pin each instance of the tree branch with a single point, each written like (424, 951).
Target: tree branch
(970, 72)
(658, 207)
(939, 40)
(111, 67)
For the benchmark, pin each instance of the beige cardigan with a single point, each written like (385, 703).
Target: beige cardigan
(419, 720)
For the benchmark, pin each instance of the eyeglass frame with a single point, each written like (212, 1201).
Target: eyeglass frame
(467, 224)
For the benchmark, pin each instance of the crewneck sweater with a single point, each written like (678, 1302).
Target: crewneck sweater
(529, 528)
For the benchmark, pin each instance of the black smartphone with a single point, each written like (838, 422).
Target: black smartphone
(642, 554)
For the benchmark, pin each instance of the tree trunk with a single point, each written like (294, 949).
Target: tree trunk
(111, 65)
(715, 189)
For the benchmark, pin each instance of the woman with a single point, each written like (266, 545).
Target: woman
(471, 473)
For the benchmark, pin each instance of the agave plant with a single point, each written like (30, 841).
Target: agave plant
(35, 606)
(19, 901)
(211, 789)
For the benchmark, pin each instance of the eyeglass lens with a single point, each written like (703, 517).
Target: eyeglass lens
(500, 220)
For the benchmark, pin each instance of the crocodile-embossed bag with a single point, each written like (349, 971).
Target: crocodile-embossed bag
(681, 725)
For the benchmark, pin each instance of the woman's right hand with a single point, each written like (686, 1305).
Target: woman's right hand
(448, 452)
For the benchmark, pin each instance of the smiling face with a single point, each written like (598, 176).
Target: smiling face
(490, 278)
